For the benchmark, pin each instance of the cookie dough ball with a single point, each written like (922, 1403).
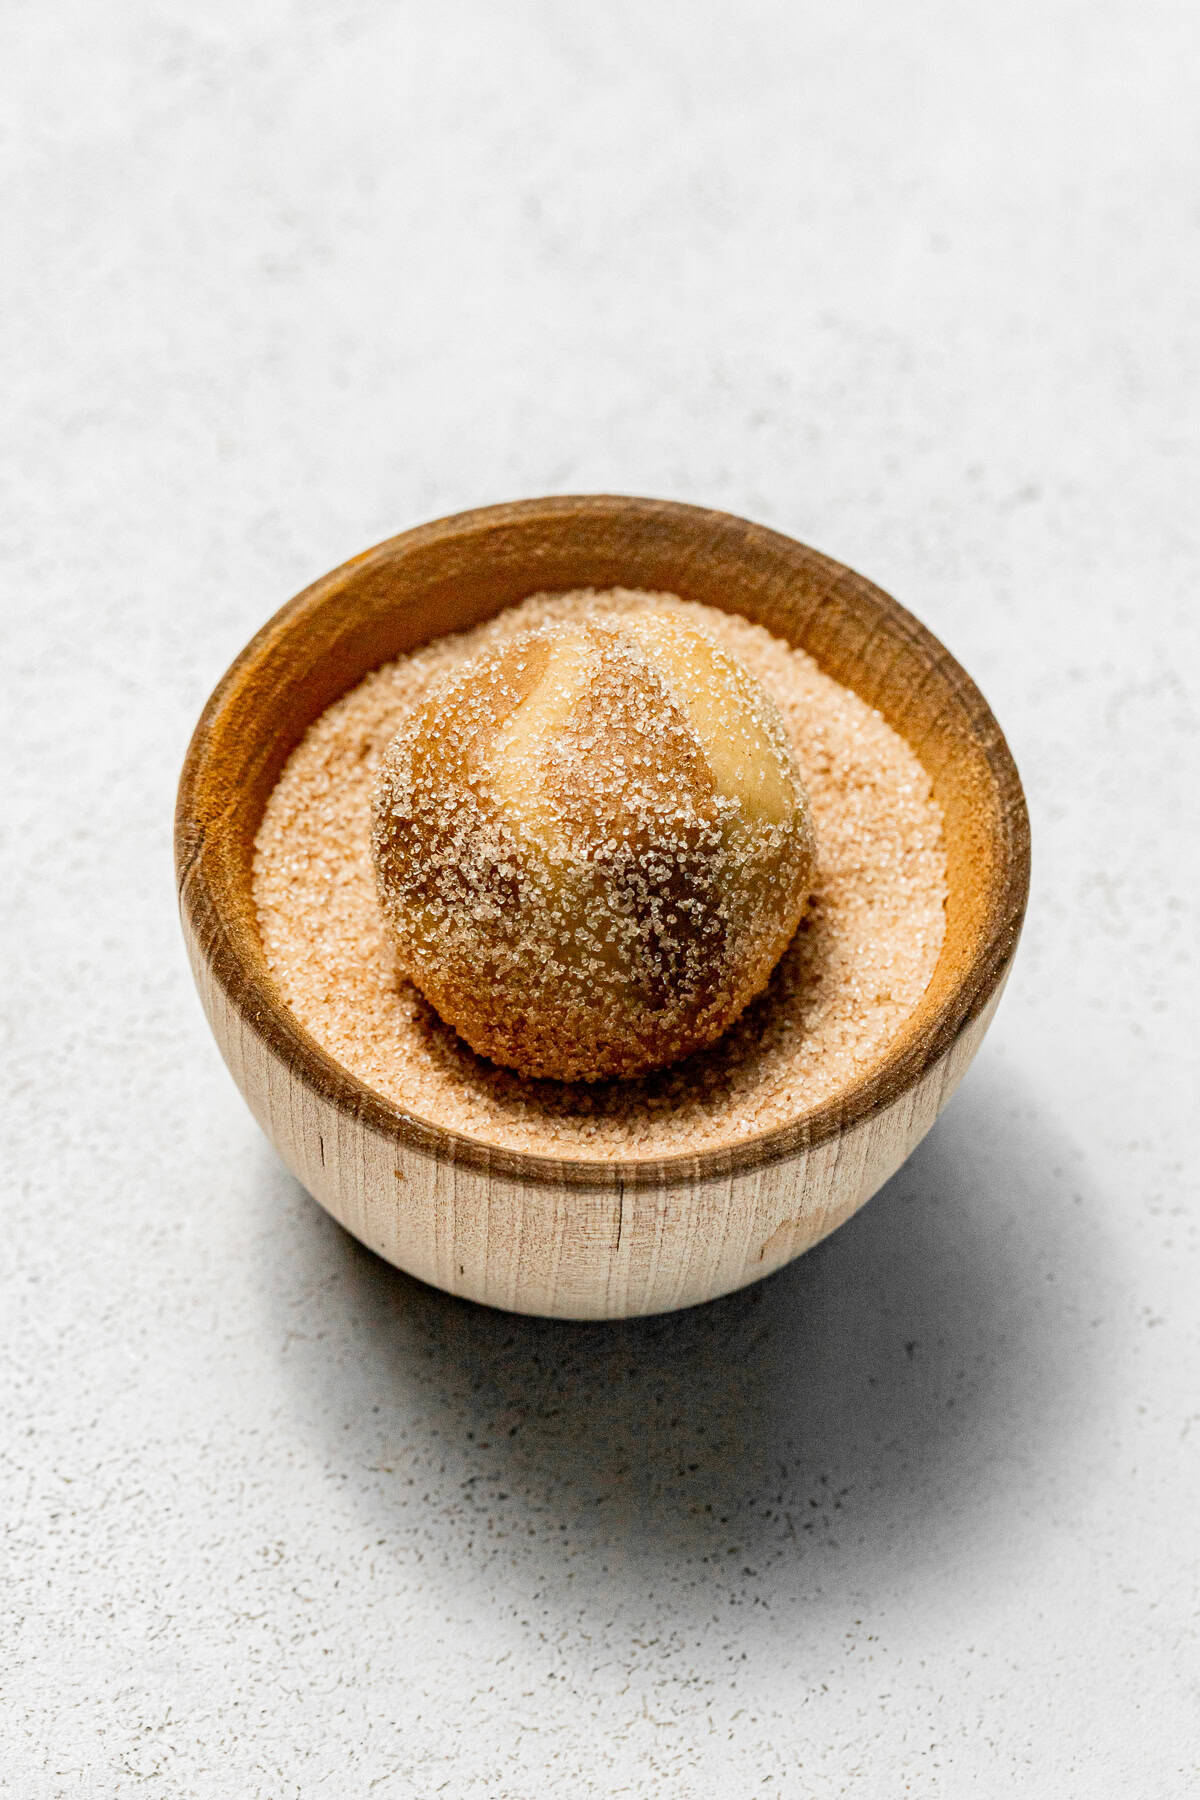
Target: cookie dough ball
(592, 846)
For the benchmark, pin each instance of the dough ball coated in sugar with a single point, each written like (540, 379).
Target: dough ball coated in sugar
(592, 846)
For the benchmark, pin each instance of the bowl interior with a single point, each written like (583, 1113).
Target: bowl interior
(448, 575)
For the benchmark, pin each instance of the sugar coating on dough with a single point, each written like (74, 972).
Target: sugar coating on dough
(856, 968)
(592, 845)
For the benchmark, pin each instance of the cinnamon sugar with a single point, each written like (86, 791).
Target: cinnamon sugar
(854, 971)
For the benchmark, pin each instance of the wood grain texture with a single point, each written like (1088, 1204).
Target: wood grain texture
(534, 1233)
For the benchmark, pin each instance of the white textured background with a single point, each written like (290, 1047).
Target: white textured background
(917, 282)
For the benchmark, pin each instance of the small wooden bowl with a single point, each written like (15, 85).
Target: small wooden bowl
(533, 1233)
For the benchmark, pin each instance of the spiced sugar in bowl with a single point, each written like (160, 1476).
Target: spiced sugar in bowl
(758, 903)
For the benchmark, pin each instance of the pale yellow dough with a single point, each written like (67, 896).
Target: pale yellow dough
(592, 845)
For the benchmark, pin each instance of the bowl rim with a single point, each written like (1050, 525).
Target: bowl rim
(251, 992)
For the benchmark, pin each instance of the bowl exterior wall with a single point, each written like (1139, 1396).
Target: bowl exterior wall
(547, 1247)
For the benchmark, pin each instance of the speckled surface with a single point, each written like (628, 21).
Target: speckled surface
(917, 1516)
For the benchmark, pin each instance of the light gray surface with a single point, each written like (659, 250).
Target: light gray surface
(916, 283)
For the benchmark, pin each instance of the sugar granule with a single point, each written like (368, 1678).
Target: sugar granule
(854, 971)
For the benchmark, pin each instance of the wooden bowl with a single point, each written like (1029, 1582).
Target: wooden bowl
(530, 1232)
